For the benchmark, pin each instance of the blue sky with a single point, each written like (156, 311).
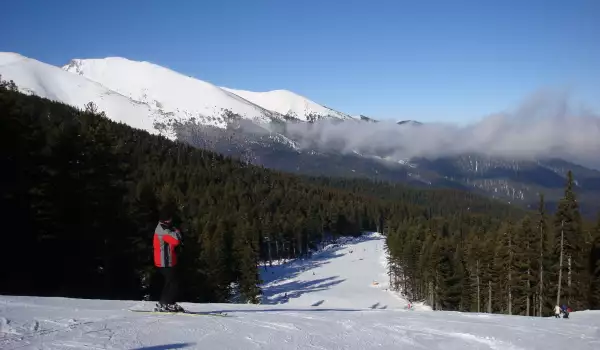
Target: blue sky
(426, 60)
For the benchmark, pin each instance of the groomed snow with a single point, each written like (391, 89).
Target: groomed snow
(344, 320)
(348, 274)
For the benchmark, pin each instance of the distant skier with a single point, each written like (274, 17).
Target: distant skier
(557, 311)
(565, 310)
(166, 239)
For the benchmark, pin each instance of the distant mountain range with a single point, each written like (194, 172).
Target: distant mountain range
(259, 128)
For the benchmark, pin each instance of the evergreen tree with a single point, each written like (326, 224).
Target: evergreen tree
(505, 264)
(595, 268)
(448, 278)
(525, 256)
(248, 278)
(569, 248)
(543, 301)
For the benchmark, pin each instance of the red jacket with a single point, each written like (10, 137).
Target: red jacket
(165, 240)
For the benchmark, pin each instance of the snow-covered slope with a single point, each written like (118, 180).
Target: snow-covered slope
(338, 307)
(154, 98)
(168, 90)
(44, 80)
(28, 323)
(348, 274)
(289, 103)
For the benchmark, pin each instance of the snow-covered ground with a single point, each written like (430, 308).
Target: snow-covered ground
(349, 312)
(348, 274)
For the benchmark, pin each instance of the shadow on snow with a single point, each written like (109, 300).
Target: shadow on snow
(290, 310)
(166, 346)
(295, 289)
(293, 268)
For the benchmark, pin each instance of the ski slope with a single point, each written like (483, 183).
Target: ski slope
(344, 319)
(348, 274)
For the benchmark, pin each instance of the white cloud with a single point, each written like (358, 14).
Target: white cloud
(544, 125)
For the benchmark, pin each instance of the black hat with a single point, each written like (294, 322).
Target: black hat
(166, 212)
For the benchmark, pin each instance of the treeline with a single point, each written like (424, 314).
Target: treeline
(80, 197)
(436, 202)
(522, 267)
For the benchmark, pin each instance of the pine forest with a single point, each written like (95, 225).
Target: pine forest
(80, 197)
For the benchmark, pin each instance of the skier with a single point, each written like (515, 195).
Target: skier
(166, 239)
(557, 311)
(565, 311)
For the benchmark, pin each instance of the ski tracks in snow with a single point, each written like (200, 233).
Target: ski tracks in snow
(430, 338)
(269, 328)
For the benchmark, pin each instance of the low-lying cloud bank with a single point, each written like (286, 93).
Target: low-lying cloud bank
(545, 125)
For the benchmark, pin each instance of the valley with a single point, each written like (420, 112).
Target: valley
(266, 128)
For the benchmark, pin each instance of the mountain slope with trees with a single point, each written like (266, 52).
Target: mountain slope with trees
(279, 130)
(522, 267)
(81, 193)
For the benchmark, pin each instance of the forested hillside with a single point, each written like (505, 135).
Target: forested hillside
(521, 267)
(80, 197)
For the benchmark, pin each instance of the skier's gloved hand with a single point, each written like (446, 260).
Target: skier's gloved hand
(179, 236)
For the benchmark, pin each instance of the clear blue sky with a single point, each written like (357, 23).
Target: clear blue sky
(426, 60)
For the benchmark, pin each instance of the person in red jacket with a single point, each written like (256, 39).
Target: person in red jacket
(166, 239)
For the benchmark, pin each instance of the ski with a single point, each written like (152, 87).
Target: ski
(188, 313)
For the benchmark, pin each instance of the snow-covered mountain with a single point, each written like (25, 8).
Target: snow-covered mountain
(189, 98)
(169, 91)
(338, 299)
(44, 80)
(257, 127)
(147, 96)
(290, 104)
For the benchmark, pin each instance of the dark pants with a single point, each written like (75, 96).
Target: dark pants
(169, 292)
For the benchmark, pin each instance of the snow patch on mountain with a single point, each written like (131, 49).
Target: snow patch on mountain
(405, 162)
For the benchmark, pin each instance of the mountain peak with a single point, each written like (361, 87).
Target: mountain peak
(48, 81)
(168, 90)
(289, 103)
(10, 57)
(84, 66)
(367, 119)
(156, 85)
(409, 122)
